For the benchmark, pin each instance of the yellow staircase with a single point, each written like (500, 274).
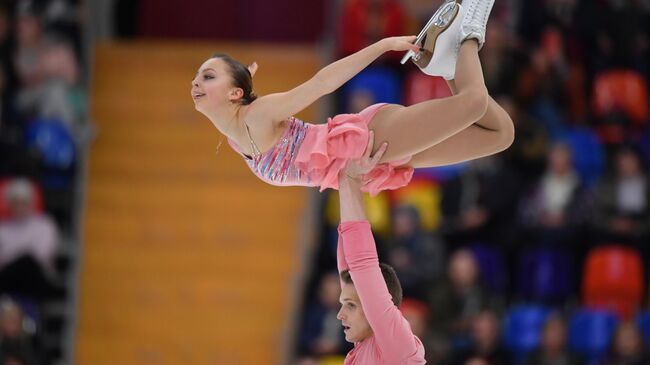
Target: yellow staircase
(187, 257)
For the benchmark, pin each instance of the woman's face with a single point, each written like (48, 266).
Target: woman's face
(627, 164)
(355, 324)
(627, 341)
(212, 87)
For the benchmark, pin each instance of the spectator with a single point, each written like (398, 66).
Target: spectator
(553, 348)
(364, 22)
(627, 347)
(418, 258)
(473, 205)
(321, 331)
(47, 70)
(5, 64)
(26, 231)
(501, 60)
(623, 200)
(557, 204)
(455, 302)
(527, 155)
(16, 346)
(28, 243)
(485, 342)
(417, 314)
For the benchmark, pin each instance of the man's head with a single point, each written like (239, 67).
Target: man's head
(351, 315)
(19, 197)
(554, 335)
(329, 290)
(485, 330)
(560, 159)
(463, 270)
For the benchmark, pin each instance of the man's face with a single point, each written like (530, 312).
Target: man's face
(19, 208)
(355, 324)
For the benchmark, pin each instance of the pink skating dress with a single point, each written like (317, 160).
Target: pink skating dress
(313, 154)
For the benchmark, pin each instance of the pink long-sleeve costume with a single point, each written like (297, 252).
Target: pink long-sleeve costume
(392, 341)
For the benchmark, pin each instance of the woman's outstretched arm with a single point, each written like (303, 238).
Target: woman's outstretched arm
(339, 72)
(280, 106)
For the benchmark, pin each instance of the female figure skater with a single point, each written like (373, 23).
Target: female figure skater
(370, 291)
(282, 150)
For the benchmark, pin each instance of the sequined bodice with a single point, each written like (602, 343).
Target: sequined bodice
(276, 166)
(315, 154)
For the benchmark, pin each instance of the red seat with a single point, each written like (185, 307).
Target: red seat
(420, 87)
(624, 91)
(4, 208)
(613, 279)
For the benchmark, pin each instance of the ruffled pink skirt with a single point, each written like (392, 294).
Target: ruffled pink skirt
(327, 147)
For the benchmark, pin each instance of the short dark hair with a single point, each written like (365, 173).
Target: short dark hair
(390, 277)
(241, 77)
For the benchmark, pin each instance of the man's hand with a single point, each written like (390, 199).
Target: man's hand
(355, 169)
(350, 195)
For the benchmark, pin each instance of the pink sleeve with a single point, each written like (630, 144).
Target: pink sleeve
(340, 257)
(391, 330)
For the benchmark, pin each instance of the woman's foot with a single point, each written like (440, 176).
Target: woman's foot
(439, 42)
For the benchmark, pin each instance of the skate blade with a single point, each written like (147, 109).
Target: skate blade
(409, 54)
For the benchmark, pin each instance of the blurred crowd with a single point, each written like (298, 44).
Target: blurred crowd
(537, 255)
(42, 124)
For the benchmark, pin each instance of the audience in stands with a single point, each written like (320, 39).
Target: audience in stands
(578, 94)
(16, 345)
(628, 347)
(40, 80)
(47, 70)
(26, 231)
(28, 245)
(553, 345)
(418, 258)
(417, 314)
(485, 342)
(623, 200)
(457, 299)
(473, 205)
(363, 22)
(321, 332)
(557, 204)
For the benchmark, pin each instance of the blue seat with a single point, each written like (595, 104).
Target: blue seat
(591, 331)
(643, 321)
(382, 83)
(522, 329)
(588, 154)
(544, 274)
(52, 139)
(54, 143)
(491, 266)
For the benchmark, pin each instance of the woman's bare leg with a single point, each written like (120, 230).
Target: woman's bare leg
(413, 129)
(493, 133)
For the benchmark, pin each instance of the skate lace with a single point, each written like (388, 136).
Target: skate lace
(480, 8)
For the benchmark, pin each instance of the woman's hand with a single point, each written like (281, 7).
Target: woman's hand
(403, 43)
(355, 169)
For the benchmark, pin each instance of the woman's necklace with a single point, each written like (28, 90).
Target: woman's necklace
(227, 132)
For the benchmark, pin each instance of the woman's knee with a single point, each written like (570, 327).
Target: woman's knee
(475, 102)
(507, 131)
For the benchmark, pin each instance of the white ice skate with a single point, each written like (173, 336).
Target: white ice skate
(475, 18)
(438, 41)
(454, 22)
